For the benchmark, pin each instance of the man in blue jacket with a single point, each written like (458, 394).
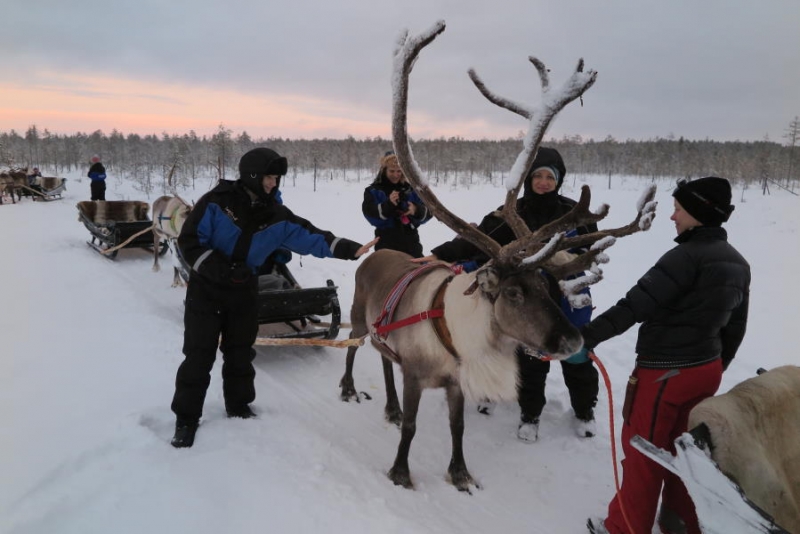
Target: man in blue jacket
(226, 238)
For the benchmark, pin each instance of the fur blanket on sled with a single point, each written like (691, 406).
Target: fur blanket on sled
(106, 211)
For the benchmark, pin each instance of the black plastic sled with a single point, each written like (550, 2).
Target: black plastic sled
(286, 310)
(113, 222)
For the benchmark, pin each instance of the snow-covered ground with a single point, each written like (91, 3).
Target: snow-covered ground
(90, 348)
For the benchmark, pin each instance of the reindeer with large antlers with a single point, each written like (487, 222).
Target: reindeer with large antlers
(471, 324)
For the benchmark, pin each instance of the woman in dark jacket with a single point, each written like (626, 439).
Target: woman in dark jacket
(693, 306)
(226, 238)
(540, 204)
(394, 209)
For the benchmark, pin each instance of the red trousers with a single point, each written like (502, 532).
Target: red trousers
(660, 413)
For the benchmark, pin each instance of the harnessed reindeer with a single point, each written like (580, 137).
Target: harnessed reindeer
(476, 320)
(12, 182)
(169, 214)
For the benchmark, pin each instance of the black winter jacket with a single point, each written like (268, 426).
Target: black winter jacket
(692, 304)
(535, 210)
(396, 232)
(228, 229)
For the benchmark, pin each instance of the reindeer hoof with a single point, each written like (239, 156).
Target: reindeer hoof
(348, 395)
(348, 390)
(462, 480)
(401, 477)
(394, 416)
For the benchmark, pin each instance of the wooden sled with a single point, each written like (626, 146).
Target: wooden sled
(45, 188)
(117, 222)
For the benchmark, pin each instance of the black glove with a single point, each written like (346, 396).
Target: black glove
(240, 274)
(346, 249)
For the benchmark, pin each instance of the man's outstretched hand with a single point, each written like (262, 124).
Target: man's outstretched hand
(365, 248)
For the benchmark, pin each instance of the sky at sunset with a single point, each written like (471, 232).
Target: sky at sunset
(719, 69)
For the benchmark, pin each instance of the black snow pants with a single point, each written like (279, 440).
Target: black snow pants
(98, 188)
(212, 311)
(581, 380)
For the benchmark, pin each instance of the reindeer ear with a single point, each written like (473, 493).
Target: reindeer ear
(488, 280)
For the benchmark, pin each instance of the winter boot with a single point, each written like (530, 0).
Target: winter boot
(242, 411)
(184, 434)
(596, 526)
(528, 429)
(586, 427)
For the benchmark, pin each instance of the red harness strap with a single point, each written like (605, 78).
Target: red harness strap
(383, 324)
(382, 330)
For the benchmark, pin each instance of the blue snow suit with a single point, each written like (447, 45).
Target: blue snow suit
(98, 184)
(227, 236)
(397, 232)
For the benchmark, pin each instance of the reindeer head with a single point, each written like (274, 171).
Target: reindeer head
(526, 301)
(526, 308)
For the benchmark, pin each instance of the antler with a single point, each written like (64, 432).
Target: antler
(590, 260)
(646, 212)
(579, 216)
(539, 119)
(406, 53)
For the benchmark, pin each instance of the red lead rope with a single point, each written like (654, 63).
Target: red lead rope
(607, 381)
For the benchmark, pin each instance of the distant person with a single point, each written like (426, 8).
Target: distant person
(32, 175)
(394, 209)
(540, 204)
(693, 306)
(98, 175)
(227, 237)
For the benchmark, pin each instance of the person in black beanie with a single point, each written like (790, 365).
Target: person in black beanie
(540, 204)
(693, 306)
(227, 236)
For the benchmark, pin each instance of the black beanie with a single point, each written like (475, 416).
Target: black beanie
(546, 157)
(706, 199)
(258, 163)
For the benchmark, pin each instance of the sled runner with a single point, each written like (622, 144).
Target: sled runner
(288, 311)
(113, 222)
(721, 505)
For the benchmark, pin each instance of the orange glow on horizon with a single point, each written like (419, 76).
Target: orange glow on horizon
(86, 104)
